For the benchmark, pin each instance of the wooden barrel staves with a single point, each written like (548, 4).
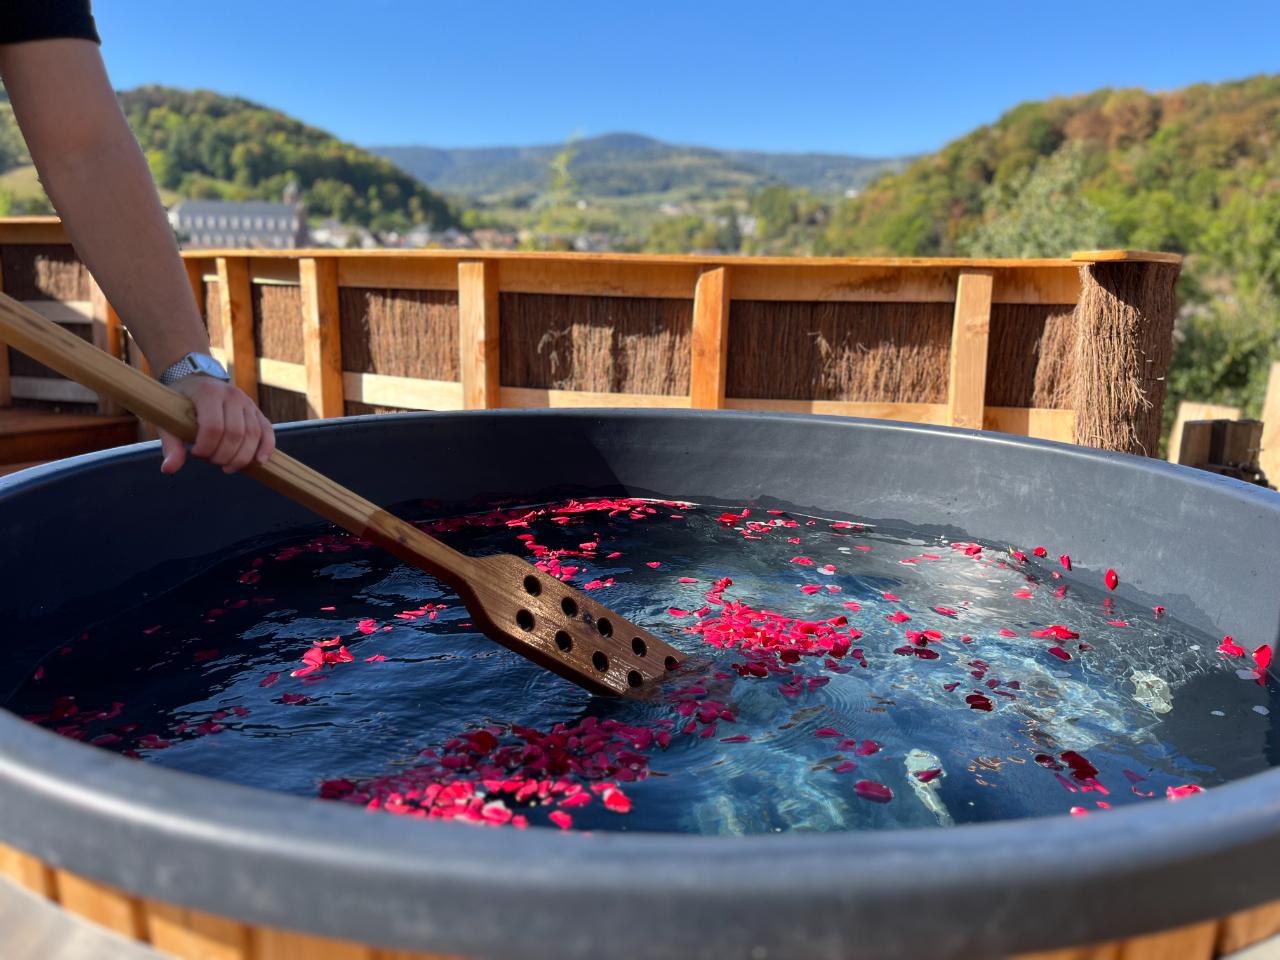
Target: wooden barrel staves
(194, 935)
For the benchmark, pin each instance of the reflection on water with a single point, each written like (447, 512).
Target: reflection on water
(850, 677)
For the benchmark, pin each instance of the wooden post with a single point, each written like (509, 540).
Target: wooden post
(1188, 412)
(321, 337)
(108, 335)
(236, 303)
(1124, 345)
(195, 277)
(6, 392)
(1269, 459)
(970, 331)
(709, 362)
(478, 334)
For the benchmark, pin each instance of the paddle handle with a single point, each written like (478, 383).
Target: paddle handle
(43, 340)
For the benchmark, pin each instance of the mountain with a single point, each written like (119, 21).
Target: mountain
(626, 164)
(205, 145)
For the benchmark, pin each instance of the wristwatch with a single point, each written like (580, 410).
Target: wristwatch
(195, 363)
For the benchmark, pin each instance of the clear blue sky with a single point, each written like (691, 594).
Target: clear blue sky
(877, 79)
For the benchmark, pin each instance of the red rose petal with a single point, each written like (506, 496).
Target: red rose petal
(1111, 580)
(1230, 647)
(875, 792)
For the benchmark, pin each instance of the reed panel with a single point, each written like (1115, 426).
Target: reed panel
(400, 333)
(597, 344)
(38, 271)
(873, 352)
(1030, 356)
(280, 405)
(277, 322)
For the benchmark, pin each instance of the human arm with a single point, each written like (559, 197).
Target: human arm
(96, 176)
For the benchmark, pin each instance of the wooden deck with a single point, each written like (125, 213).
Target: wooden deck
(29, 437)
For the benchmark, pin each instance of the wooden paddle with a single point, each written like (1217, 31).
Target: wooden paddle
(512, 601)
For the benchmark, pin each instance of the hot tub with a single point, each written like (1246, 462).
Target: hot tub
(205, 868)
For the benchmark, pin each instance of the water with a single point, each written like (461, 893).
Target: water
(813, 704)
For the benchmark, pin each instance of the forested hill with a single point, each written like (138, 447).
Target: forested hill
(1168, 171)
(1195, 171)
(203, 144)
(628, 164)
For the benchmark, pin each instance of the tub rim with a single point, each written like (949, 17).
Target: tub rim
(52, 789)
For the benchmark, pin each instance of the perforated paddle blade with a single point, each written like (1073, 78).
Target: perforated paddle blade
(560, 628)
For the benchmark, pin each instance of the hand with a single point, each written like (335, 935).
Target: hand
(231, 432)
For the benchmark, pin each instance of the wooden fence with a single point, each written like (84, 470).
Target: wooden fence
(995, 344)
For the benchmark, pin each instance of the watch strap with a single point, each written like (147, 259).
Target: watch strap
(176, 371)
(194, 363)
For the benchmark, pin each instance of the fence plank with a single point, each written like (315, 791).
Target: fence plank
(321, 337)
(51, 390)
(411, 393)
(6, 395)
(539, 397)
(236, 304)
(478, 334)
(710, 340)
(108, 335)
(1269, 459)
(967, 388)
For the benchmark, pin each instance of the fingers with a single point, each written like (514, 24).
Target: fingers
(210, 422)
(174, 451)
(267, 444)
(252, 436)
(233, 430)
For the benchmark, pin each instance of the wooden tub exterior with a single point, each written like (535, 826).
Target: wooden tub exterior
(192, 935)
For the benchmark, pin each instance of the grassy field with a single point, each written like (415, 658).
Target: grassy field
(23, 184)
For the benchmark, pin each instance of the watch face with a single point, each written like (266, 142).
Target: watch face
(208, 366)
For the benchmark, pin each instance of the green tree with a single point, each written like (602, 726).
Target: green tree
(1041, 212)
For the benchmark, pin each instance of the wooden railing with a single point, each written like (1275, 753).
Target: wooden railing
(995, 344)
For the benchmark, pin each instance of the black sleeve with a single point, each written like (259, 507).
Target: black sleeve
(23, 20)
